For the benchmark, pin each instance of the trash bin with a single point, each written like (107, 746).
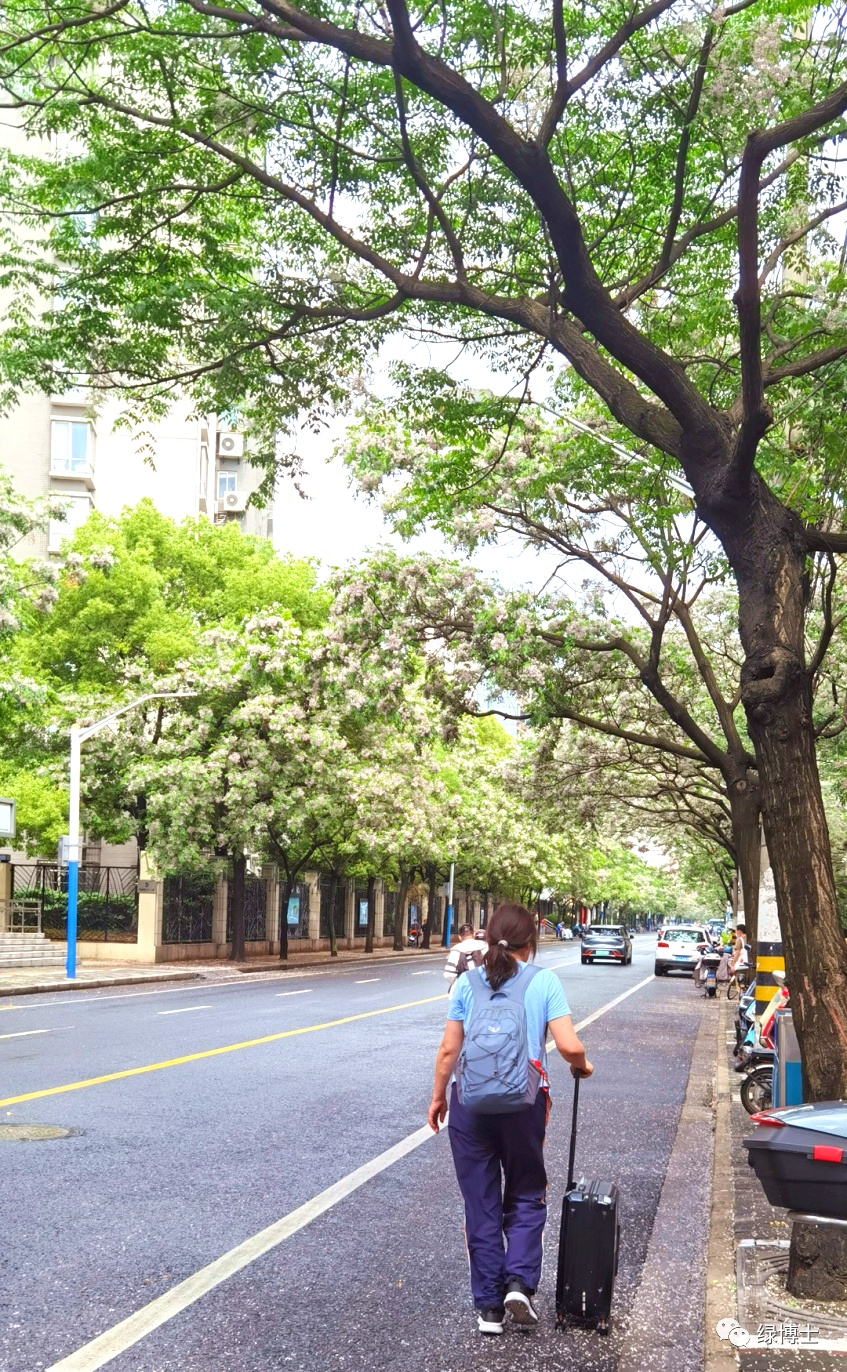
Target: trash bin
(799, 1154)
(787, 1068)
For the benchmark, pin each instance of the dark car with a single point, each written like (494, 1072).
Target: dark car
(606, 943)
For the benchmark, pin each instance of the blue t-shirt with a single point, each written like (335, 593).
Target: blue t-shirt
(545, 1000)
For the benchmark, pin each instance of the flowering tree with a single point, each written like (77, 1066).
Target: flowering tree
(637, 198)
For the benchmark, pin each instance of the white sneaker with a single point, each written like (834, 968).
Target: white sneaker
(519, 1304)
(490, 1321)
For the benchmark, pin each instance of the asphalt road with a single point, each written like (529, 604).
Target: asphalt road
(168, 1169)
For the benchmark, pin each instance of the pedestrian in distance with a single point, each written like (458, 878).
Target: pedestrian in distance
(740, 962)
(468, 952)
(499, 1106)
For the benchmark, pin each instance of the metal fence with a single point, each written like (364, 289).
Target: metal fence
(107, 901)
(187, 907)
(255, 909)
(20, 917)
(298, 910)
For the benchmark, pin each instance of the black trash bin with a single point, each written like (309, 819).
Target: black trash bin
(799, 1154)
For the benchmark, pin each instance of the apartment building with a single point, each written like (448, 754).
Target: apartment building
(64, 446)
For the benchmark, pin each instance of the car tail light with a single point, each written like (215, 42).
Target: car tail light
(823, 1153)
(764, 1117)
(662, 944)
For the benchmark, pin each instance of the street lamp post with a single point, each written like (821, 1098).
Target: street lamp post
(449, 925)
(78, 737)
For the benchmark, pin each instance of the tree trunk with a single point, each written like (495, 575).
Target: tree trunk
(287, 891)
(744, 806)
(400, 910)
(369, 934)
(430, 907)
(239, 882)
(333, 896)
(769, 563)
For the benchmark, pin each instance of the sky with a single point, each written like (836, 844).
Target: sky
(337, 525)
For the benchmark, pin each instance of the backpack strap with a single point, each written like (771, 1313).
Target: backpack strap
(514, 989)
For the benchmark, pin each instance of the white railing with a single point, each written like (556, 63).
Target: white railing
(20, 917)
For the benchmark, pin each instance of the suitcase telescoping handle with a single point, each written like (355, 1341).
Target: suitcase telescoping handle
(572, 1154)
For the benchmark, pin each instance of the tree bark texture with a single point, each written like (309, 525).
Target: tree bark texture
(369, 933)
(817, 1262)
(400, 910)
(769, 564)
(287, 891)
(333, 896)
(744, 807)
(432, 877)
(239, 882)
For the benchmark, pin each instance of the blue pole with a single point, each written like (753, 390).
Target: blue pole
(73, 847)
(73, 887)
(449, 924)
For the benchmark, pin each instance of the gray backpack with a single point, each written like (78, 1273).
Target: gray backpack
(494, 1075)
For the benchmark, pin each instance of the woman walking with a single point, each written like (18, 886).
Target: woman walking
(499, 1157)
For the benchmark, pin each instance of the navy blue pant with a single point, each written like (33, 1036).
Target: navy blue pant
(499, 1161)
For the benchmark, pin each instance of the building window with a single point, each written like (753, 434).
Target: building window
(70, 447)
(77, 509)
(227, 484)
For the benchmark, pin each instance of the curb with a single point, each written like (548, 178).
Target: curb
(721, 1293)
(95, 985)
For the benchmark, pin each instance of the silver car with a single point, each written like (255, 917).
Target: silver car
(679, 946)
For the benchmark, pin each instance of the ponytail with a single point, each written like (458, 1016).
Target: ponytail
(511, 928)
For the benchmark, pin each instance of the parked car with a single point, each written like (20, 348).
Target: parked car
(606, 943)
(679, 947)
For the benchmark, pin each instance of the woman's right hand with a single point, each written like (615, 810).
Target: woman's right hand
(585, 1071)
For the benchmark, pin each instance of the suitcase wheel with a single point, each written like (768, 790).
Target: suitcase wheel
(603, 1326)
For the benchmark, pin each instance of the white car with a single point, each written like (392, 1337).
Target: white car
(680, 945)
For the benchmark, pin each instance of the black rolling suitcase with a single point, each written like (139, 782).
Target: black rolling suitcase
(588, 1246)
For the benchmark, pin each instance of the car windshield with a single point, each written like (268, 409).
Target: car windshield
(606, 933)
(685, 936)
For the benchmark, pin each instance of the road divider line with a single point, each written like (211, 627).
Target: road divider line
(122, 1336)
(26, 1033)
(604, 1009)
(306, 991)
(215, 1052)
(366, 981)
(427, 973)
(184, 1010)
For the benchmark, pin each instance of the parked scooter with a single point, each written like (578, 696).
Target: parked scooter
(710, 962)
(706, 969)
(755, 1054)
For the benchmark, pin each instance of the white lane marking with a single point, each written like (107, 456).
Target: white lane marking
(568, 962)
(26, 1033)
(122, 1336)
(421, 974)
(367, 981)
(184, 1010)
(610, 1005)
(254, 978)
(306, 991)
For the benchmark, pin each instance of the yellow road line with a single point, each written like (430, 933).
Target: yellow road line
(213, 1052)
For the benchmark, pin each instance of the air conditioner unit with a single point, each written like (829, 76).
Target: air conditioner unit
(230, 445)
(233, 502)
